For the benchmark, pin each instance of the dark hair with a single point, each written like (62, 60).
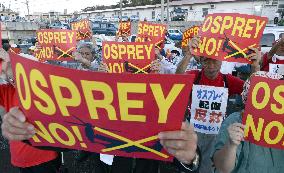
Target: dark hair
(6, 46)
(176, 52)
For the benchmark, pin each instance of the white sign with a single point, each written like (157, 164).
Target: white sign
(276, 68)
(208, 108)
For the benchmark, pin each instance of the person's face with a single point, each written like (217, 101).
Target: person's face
(280, 50)
(86, 53)
(211, 67)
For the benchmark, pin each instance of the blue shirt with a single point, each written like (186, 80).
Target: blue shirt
(250, 157)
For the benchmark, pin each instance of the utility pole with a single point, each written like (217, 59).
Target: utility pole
(168, 11)
(28, 8)
(162, 10)
(120, 4)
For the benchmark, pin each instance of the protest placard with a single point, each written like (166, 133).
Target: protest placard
(208, 108)
(189, 34)
(276, 68)
(229, 36)
(56, 44)
(128, 57)
(150, 32)
(118, 114)
(124, 29)
(264, 112)
(83, 29)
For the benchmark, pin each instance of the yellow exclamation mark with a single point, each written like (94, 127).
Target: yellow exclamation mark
(79, 136)
(219, 46)
(122, 67)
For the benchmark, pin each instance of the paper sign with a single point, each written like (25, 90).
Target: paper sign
(229, 36)
(189, 34)
(56, 44)
(150, 32)
(208, 108)
(124, 29)
(128, 57)
(83, 29)
(264, 112)
(115, 114)
(276, 68)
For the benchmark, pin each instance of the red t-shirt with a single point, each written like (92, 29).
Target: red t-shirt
(22, 154)
(235, 85)
(266, 62)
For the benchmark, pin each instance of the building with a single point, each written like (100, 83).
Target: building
(49, 17)
(196, 9)
(7, 14)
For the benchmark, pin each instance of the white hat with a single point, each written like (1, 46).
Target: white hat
(14, 46)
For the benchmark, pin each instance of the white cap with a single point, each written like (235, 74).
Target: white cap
(14, 46)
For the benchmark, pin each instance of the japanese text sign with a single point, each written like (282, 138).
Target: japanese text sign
(128, 57)
(264, 112)
(229, 36)
(208, 108)
(117, 114)
(56, 44)
(276, 68)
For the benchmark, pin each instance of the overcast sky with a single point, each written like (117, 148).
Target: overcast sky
(54, 5)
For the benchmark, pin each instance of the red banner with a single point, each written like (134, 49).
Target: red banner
(189, 34)
(124, 29)
(118, 114)
(229, 36)
(264, 112)
(128, 57)
(150, 32)
(83, 29)
(56, 44)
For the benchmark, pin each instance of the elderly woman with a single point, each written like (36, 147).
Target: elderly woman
(86, 56)
(233, 154)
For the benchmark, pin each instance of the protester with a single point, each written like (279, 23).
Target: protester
(210, 75)
(233, 154)
(274, 56)
(181, 144)
(86, 55)
(27, 158)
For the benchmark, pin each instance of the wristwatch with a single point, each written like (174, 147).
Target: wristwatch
(194, 165)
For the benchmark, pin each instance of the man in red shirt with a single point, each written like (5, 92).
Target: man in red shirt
(27, 158)
(210, 75)
(274, 56)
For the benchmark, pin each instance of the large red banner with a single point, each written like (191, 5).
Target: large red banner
(264, 113)
(56, 44)
(229, 36)
(128, 57)
(83, 29)
(118, 114)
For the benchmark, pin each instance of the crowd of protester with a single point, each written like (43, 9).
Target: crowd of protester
(194, 152)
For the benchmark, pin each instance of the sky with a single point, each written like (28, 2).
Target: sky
(54, 5)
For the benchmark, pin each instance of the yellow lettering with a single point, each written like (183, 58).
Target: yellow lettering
(165, 103)
(277, 96)
(75, 98)
(123, 89)
(49, 109)
(93, 104)
(266, 98)
(26, 102)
